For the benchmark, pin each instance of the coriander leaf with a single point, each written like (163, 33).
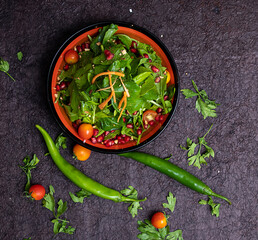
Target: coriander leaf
(134, 207)
(61, 142)
(176, 235)
(4, 67)
(29, 164)
(62, 207)
(19, 56)
(49, 201)
(171, 202)
(80, 195)
(203, 105)
(214, 206)
(168, 158)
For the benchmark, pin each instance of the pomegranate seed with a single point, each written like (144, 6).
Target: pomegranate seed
(100, 138)
(123, 135)
(157, 118)
(140, 56)
(139, 131)
(127, 139)
(62, 85)
(157, 79)
(90, 92)
(87, 46)
(106, 141)
(57, 88)
(146, 126)
(95, 132)
(83, 46)
(74, 125)
(159, 110)
(154, 69)
(121, 141)
(118, 41)
(119, 137)
(112, 142)
(66, 67)
(93, 140)
(146, 55)
(151, 123)
(161, 118)
(134, 44)
(110, 56)
(124, 119)
(79, 48)
(135, 112)
(150, 60)
(133, 50)
(108, 144)
(113, 131)
(129, 125)
(107, 52)
(78, 122)
(165, 97)
(106, 133)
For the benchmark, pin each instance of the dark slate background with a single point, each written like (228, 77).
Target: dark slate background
(213, 42)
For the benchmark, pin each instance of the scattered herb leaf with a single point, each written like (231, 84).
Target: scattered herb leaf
(214, 206)
(168, 158)
(60, 142)
(4, 67)
(19, 56)
(204, 106)
(171, 202)
(60, 225)
(80, 195)
(199, 158)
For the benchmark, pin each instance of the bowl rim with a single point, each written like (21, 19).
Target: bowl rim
(171, 61)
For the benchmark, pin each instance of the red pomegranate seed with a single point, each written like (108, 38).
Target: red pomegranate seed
(106, 133)
(165, 97)
(79, 48)
(113, 131)
(146, 55)
(124, 119)
(159, 110)
(112, 142)
(109, 56)
(93, 140)
(90, 92)
(150, 60)
(135, 112)
(154, 69)
(100, 139)
(133, 50)
(87, 46)
(57, 88)
(134, 44)
(157, 118)
(66, 67)
(151, 123)
(74, 125)
(139, 131)
(106, 141)
(78, 122)
(62, 85)
(121, 141)
(95, 132)
(146, 126)
(161, 118)
(129, 125)
(119, 137)
(107, 52)
(157, 79)
(83, 46)
(127, 139)
(123, 135)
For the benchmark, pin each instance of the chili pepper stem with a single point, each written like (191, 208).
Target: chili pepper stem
(128, 200)
(220, 196)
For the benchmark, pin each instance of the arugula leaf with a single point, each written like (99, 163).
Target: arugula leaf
(203, 105)
(198, 158)
(134, 206)
(171, 202)
(19, 56)
(29, 164)
(80, 195)
(4, 67)
(214, 206)
(60, 225)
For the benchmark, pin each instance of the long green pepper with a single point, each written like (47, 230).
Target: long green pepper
(174, 172)
(80, 179)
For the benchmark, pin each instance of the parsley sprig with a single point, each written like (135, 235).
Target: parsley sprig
(214, 206)
(60, 225)
(4, 67)
(171, 202)
(199, 158)
(204, 105)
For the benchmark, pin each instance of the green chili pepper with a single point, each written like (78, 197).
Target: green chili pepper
(174, 172)
(80, 179)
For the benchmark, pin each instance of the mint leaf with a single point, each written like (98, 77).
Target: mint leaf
(19, 56)
(80, 195)
(214, 206)
(171, 202)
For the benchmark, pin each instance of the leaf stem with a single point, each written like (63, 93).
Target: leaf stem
(10, 76)
(208, 131)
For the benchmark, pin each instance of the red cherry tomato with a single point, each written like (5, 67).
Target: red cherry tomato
(37, 191)
(149, 115)
(85, 131)
(71, 57)
(159, 220)
(81, 153)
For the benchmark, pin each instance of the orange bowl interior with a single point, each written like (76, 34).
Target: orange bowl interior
(60, 64)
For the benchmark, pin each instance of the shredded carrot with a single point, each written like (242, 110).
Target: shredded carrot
(101, 89)
(107, 73)
(125, 103)
(122, 100)
(128, 95)
(102, 105)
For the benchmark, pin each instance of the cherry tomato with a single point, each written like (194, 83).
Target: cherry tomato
(159, 220)
(168, 76)
(81, 153)
(71, 57)
(149, 115)
(85, 131)
(37, 191)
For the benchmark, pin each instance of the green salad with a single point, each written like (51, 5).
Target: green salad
(115, 83)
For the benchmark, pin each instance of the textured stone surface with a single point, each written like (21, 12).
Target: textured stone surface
(213, 42)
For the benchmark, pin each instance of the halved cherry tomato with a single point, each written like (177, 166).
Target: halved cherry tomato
(159, 220)
(85, 131)
(168, 76)
(148, 116)
(81, 152)
(71, 57)
(37, 191)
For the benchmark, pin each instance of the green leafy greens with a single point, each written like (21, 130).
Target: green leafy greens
(60, 225)
(4, 67)
(80, 195)
(19, 56)
(199, 158)
(134, 206)
(60, 142)
(171, 202)
(214, 206)
(204, 106)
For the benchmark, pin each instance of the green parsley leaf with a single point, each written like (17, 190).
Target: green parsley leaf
(49, 200)
(29, 164)
(171, 202)
(80, 195)
(60, 142)
(19, 56)
(176, 235)
(203, 105)
(4, 67)
(198, 158)
(134, 206)
(214, 206)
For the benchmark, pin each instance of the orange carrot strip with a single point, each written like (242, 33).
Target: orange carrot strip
(107, 73)
(122, 100)
(125, 103)
(128, 95)
(102, 105)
